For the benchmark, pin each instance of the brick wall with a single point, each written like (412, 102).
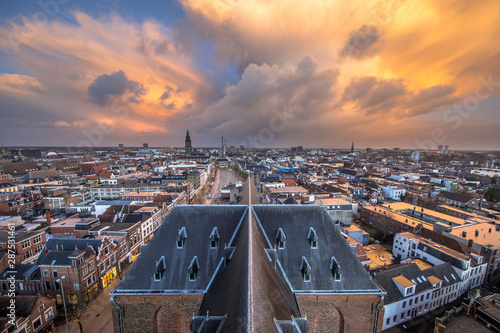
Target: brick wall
(340, 313)
(156, 313)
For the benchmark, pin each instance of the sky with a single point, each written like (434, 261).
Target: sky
(381, 74)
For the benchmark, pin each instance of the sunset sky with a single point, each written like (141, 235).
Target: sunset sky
(409, 74)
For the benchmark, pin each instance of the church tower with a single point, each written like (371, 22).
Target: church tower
(187, 148)
(352, 147)
(223, 147)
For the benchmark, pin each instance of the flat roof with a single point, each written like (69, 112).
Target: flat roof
(435, 245)
(484, 236)
(403, 205)
(333, 201)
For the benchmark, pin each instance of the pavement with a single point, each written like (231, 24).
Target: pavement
(96, 316)
(223, 177)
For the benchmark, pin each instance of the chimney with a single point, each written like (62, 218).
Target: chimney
(48, 218)
(481, 202)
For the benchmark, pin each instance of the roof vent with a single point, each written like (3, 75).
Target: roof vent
(193, 269)
(160, 268)
(214, 238)
(313, 238)
(280, 238)
(477, 232)
(305, 268)
(181, 238)
(464, 234)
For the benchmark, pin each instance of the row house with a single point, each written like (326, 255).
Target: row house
(130, 238)
(412, 292)
(106, 254)
(27, 245)
(471, 269)
(74, 270)
(33, 314)
(21, 279)
(484, 238)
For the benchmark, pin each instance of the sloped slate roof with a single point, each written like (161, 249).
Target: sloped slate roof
(411, 271)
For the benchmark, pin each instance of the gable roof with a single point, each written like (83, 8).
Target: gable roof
(455, 196)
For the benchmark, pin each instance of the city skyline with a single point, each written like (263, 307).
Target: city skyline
(383, 74)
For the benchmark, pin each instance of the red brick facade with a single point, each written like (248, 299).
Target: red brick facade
(341, 313)
(156, 313)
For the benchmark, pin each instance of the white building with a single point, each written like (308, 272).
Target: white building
(393, 192)
(470, 269)
(412, 292)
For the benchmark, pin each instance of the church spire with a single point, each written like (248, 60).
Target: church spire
(187, 148)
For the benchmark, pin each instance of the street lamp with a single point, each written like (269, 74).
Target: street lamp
(64, 302)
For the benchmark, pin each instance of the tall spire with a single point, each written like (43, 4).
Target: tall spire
(352, 147)
(187, 148)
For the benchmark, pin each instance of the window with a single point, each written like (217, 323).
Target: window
(38, 249)
(85, 270)
(388, 321)
(76, 286)
(411, 302)
(402, 316)
(37, 323)
(92, 265)
(106, 250)
(404, 304)
(49, 313)
(41, 307)
(37, 239)
(395, 318)
(57, 286)
(102, 267)
(47, 286)
(28, 254)
(54, 274)
(26, 243)
(73, 263)
(307, 277)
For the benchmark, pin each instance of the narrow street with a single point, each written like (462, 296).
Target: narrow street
(96, 316)
(224, 177)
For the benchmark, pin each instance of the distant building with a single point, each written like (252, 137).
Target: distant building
(188, 149)
(415, 155)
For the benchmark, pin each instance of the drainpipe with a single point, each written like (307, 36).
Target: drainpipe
(119, 313)
(376, 314)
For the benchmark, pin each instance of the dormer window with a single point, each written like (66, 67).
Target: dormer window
(193, 269)
(313, 238)
(335, 268)
(214, 238)
(181, 238)
(305, 268)
(160, 268)
(280, 239)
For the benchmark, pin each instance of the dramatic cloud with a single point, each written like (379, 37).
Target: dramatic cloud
(332, 71)
(362, 43)
(370, 95)
(106, 87)
(266, 92)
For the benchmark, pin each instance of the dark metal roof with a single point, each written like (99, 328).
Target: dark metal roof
(247, 283)
(296, 221)
(199, 222)
(455, 196)
(411, 271)
(65, 244)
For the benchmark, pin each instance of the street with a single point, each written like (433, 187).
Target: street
(224, 177)
(96, 316)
